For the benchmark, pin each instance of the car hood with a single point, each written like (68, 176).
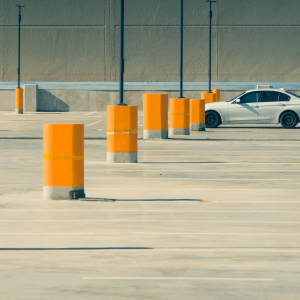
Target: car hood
(215, 105)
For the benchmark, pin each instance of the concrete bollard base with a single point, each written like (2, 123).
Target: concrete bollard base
(63, 192)
(197, 126)
(19, 111)
(155, 134)
(179, 131)
(122, 157)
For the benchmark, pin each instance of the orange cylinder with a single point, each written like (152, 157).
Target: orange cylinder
(208, 97)
(63, 148)
(19, 101)
(155, 113)
(122, 134)
(179, 116)
(197, 114)
(218, 94)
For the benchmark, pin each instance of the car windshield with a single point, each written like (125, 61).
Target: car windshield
(293, 94)
(236, 97)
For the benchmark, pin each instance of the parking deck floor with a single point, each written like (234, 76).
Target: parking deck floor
(213, 215)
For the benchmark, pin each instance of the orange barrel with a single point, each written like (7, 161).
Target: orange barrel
(122, 134)
(19, 101)
(218, 94)
(179, 116)
(155, 110)
(197, 114)
(63, 146)
(208, 97)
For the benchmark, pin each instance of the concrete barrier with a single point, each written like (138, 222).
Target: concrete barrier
(179, 116)
(155, 121)
(218, 94)
(208, 97)
(63, 148)
(19, 101)
(30, 97)
(197, 114)
(122, 134)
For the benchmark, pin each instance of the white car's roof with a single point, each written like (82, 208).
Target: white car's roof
(271, 90)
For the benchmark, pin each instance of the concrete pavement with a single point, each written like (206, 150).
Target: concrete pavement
(211, 216)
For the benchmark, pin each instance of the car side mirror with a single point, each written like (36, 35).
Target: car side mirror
(237, 101)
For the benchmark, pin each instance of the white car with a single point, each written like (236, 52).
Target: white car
(265, 106)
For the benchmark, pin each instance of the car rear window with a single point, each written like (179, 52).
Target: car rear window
(284, 97)
(293, 94)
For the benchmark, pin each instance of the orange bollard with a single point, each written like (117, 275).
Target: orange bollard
(218, 94)
(208, 97)
(122, 134)
(19, 101)
(155, 110)
(179, 116)
(197, 114)
(63, 148)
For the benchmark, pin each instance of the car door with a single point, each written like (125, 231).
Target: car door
(269, 107)
(244, 111)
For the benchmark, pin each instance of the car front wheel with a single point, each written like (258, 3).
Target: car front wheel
(289, 120)
(212, 119)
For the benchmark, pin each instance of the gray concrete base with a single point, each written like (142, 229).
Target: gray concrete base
(63, 192)
(198, 126)
(122, 157)
(179, 131)
(19, 111)
(155, 134)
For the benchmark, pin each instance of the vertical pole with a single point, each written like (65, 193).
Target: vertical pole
(19, 47)
(121, 89)
(209, 55)
(181, 49)
(209, 68)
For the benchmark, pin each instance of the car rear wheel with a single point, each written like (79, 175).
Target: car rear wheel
(212, 119)
(289, 120)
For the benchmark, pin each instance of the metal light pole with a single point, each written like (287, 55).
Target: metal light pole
(181, 49)
(209, 59)
(121, 89)
(19, 45)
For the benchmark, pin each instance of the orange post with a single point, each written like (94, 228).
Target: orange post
(208, 97)
(155, 110)
(63, 148)
(19, 101)
(218, 94)
(179, 116)
(197, 114)
(122, 134)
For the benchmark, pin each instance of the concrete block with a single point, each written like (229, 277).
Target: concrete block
(54, 54)
(258, 54)
(179, 131)
(57, 12)
(164, 13)
(63, 192)
(7, 100)
(145, 64)
(155, 134)
(197, 126)
(63, 161)
(258, 13)
(30, 97)
(122, 134)
(122, 157)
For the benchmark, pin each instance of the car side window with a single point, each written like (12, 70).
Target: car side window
(269, 97)
(250, 97)
(284, 97)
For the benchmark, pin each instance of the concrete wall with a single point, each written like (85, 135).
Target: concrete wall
(74, 100)
(76, 40)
